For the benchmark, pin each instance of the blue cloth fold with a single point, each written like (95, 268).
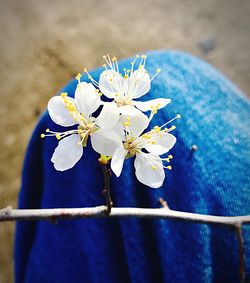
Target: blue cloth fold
(212, 180)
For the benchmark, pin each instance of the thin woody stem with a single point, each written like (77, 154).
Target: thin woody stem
(242, 272)
(163, 203)
(106, 191)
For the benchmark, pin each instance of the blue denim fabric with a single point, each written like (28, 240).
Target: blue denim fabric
(213, 180)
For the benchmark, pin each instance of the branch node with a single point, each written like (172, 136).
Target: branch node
(163, 203)
(194, 147)
(6, 211)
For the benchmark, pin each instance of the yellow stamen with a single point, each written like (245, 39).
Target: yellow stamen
(78, 77)
(63, 94)
(42, 136)
(126, 124)
(146, 136)
(157, 129)
(58, 137)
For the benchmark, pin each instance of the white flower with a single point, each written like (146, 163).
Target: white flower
(104, 131)
(124, 89)
(146, 148)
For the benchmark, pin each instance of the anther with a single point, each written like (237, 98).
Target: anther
(58, 137)
(63, 94)
(126, 124)
(157, 129)
(153, 167)
(78, 76)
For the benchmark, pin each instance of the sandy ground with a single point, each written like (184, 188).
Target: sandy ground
(44, 43)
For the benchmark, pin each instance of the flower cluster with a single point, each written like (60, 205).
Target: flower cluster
(118, 132)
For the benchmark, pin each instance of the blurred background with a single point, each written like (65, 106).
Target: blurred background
(44, 43)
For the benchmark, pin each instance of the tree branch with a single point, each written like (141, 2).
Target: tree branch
(10, 214)
(236, 222)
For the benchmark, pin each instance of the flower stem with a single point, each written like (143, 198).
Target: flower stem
(106, 191)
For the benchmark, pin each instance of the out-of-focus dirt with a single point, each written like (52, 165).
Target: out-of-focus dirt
(44, 43)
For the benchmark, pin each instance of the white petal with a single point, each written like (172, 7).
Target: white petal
(109, 116)
(148, 105)
(163, 143)
(87, 98)
(105, 141)
(118, 129)
(59, 113)
(149, 170)
(111, 83)
(138, 121)
(118, 160)
(139, 83)
(67, 153)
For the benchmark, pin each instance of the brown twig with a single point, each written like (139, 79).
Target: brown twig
(106, 191)
(242, 272)
(163, 203)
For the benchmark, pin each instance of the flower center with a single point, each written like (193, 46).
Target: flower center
(123, 100)
(85, 131)
(131, 146)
